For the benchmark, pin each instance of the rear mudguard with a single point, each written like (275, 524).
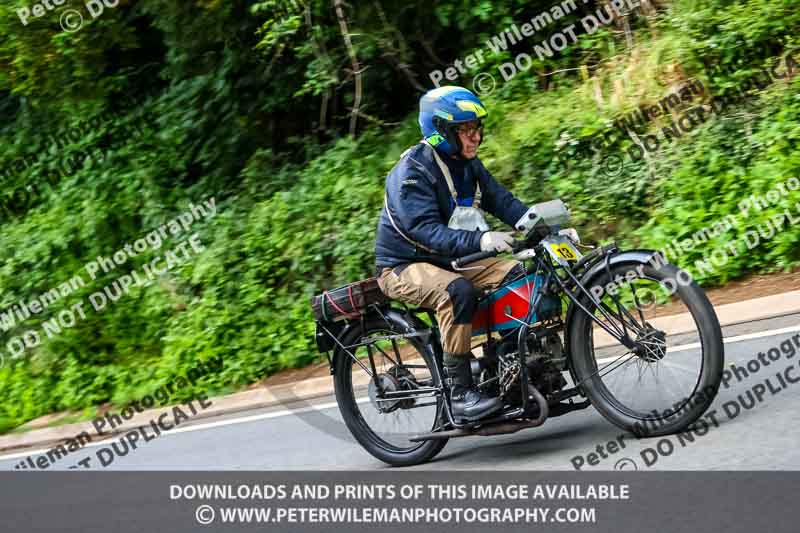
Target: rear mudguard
(399, 320)
(630, 257)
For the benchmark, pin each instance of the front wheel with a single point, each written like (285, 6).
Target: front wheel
(669, 379)
(405, 401)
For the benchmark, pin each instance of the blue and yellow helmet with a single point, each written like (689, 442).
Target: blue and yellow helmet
(441, 110)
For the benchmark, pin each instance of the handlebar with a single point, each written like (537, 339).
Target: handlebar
(532, 239)
(477, 256)
(467, 259)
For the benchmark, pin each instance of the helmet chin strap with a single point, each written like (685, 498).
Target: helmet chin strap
(452, 133)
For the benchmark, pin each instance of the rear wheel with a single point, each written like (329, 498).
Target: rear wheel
(669, 380)
(406, 401)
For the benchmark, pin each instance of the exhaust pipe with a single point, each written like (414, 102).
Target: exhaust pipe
(500, 428)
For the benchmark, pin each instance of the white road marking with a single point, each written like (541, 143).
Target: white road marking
(187, 429)
(727, 340)
(328, 405)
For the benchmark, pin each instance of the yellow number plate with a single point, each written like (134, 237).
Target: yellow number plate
(565, 251)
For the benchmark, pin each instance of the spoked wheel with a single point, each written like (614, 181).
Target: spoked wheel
(404, 401)
(665, 382)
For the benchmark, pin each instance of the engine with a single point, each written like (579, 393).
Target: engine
(545, 363)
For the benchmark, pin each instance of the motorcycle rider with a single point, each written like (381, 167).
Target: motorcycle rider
(432, 214)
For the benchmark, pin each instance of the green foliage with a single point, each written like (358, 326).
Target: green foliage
(251, 104)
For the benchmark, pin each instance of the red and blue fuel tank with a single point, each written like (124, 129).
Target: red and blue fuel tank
(514, 300)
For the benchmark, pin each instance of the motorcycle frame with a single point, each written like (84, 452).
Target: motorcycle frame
(577, 276)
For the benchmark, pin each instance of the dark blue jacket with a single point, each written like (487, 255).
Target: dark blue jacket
(421, 206)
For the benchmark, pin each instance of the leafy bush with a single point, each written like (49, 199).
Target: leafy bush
(298, 197)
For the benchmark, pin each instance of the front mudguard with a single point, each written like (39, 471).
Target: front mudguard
(652, 258)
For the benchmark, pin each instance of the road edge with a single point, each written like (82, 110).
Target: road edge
(763, 308)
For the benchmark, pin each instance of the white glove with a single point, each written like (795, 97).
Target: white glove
(496, 241)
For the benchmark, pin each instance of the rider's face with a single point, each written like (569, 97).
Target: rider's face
(470, 134)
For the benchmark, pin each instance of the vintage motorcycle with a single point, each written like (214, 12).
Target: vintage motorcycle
(592, 317)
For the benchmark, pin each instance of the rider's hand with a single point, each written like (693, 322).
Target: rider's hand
(496, 241)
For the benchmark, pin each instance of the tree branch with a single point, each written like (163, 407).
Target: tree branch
(338, 4)
(397, 58)
(319, 53)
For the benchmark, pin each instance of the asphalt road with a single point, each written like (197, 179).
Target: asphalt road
(312, 436)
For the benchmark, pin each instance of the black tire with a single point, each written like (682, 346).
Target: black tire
(416, 453)
(711, 364)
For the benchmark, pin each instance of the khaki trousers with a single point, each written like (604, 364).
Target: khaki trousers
(452, 295)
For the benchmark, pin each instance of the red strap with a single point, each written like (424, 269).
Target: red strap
(334, 304)
(342, 311)
(350, 295)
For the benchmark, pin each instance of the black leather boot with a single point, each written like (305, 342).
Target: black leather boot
(467, 403)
